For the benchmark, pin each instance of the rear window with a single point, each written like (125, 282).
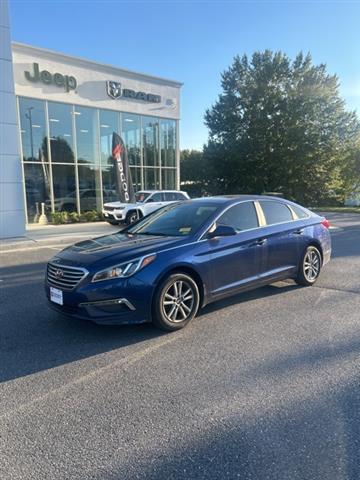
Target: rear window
(299, 212)
(276, 212)
(173, 196)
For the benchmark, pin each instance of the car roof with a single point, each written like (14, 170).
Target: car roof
(224, 200)
(230, 199)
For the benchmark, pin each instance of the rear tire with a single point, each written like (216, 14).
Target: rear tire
(310, 267)
(176, 302)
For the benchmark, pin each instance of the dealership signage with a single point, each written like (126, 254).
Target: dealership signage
(115, 91)
(68, 82)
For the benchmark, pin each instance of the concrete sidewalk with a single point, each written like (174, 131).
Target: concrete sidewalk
(51, 235)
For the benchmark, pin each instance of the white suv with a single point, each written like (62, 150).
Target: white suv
(147, 201)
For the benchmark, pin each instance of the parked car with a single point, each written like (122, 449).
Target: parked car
(88, 200)
(186, 255)
(147, 201)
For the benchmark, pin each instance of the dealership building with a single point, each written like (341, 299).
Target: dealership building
(66, 110)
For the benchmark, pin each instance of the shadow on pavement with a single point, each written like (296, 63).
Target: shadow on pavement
(34, 338)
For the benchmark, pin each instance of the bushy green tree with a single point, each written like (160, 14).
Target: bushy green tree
(280, 125)
(194, 173)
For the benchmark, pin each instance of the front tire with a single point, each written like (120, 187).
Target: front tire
(176, 302)
(310, 267)
(132, 217)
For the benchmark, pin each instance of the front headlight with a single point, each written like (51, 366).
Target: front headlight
(123, 270)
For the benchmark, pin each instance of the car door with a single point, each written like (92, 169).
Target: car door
(281, 236)
(154, 202)
(235, 261)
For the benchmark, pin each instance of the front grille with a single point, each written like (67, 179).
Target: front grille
(64, 277)
(109, 209)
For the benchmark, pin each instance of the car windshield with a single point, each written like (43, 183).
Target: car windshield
(140, 197)
(175, 220)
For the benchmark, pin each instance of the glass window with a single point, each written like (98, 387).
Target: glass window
(151, 179)
(241, 217)
(86, 134)
(175, 220)
(168, 142)
(37, 189)
(131, 134)
(136, 178)
(174, 196)
(156, 197)
(109, 123)
(109, 184)
(170, 196)
(61, 136)
(300, 213)
(141, 196)
(89, 188)
(275, 212)
(151, 141)
(181, 196)
(33, 130)
(168, 177)
(64, 185)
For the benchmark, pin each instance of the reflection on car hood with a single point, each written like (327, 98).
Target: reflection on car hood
(110, 249)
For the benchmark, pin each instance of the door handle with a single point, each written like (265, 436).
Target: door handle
(258, 243)
(299, 231)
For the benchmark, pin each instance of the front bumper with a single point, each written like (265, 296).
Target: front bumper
(116, 215)
(113, 303)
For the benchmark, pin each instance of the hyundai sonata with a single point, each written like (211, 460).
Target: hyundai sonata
(186, 255)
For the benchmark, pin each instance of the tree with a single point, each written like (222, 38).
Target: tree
(193, 174)
(280, 125)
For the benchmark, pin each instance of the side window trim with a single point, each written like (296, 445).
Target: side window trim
(260, 214)
(294, 216)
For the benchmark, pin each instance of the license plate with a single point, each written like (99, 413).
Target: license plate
(106, 214)
(56, 296)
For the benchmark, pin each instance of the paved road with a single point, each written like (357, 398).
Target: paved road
(262, 386)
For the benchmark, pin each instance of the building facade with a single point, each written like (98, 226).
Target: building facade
(12, 218)
(68, 109)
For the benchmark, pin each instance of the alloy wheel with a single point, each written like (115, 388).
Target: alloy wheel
(312, 265)
(178, 301)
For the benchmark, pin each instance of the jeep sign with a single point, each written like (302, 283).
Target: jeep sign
(58, 79)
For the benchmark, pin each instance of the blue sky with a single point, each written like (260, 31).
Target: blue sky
(194, 41)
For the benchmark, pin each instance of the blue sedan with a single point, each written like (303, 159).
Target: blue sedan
(186, 255)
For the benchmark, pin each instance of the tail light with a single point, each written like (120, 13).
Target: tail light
(325, 223)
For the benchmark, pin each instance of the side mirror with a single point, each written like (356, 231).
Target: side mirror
(222, 231)
(150, 200)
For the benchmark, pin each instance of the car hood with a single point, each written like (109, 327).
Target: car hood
(119, 204)
(108, 250)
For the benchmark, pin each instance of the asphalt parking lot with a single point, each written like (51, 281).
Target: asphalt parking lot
(265, 385)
